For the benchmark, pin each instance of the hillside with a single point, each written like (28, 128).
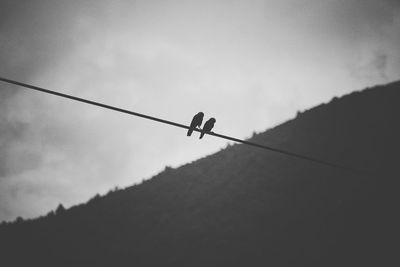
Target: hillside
(245, 206)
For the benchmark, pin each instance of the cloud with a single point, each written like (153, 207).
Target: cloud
(372, 66)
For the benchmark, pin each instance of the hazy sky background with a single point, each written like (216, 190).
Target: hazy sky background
(249, 64)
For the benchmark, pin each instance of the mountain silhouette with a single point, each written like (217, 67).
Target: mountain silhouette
(245, 206)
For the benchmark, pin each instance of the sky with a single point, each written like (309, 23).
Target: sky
(250, 64)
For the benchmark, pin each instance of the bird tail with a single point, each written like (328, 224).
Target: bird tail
(190, 131)
(201, 135)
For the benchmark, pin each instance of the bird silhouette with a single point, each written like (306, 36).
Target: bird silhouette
(196, 122)
(207, 127)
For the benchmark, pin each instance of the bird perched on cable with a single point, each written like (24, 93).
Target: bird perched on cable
(196, 122)
(207, 127)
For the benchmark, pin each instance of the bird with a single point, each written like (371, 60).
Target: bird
(207, 127)
(196, 122)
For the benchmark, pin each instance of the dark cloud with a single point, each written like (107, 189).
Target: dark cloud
(10, 132)
(37, 34)
(379, 63)
(372, 66)
(34, 35)
(370, 30)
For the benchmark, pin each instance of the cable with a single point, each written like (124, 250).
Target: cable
(180, 125)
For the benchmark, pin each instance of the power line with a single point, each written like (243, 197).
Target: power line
(179, 125)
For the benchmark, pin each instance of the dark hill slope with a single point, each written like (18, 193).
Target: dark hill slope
(244, 206)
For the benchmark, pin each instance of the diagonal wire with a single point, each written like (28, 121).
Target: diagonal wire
(182, 126)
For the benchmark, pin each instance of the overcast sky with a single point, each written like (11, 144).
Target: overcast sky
(249, 64)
